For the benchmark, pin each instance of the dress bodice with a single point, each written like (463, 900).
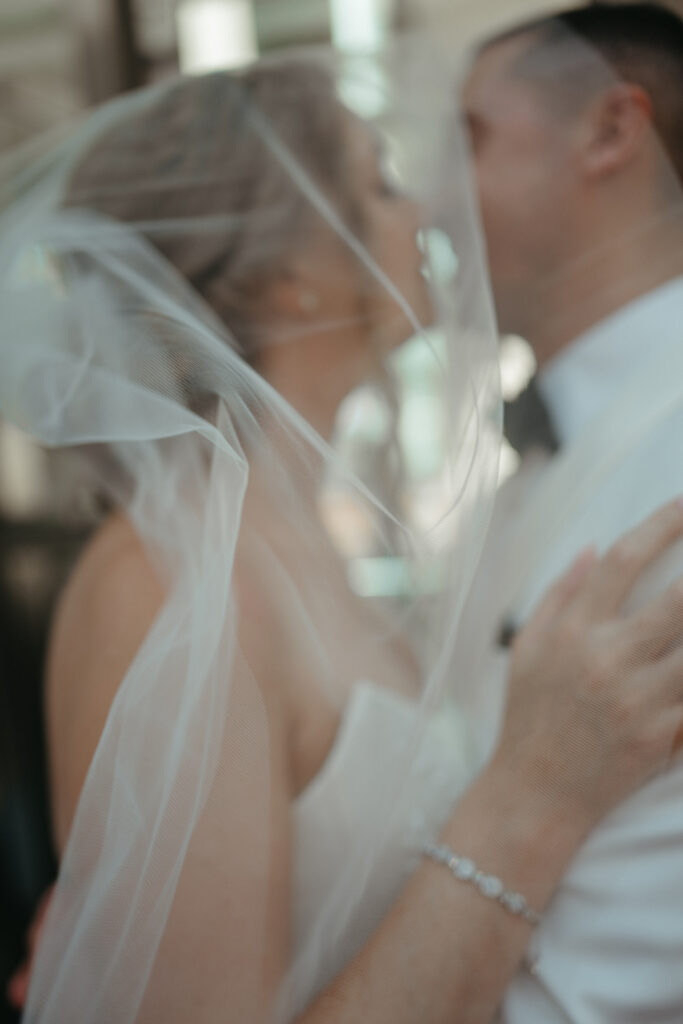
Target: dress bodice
(343, 805)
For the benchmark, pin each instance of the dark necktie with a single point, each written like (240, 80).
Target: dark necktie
(528, 423)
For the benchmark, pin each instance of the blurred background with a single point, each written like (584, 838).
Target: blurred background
(57, 58)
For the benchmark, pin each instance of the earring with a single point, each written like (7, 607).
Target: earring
(309, 301)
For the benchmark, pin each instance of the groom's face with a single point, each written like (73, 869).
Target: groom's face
(527, 183)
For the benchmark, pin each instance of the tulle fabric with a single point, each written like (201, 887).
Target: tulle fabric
(132, 273)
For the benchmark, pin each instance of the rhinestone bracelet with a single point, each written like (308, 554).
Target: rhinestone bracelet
(492, 888)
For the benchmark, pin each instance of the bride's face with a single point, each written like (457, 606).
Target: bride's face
(395, 289)
(349, 302)
(375, 278)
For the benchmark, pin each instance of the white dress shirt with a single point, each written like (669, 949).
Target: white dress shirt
(590, 373)
(610, 947)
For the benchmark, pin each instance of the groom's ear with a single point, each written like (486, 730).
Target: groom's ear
(617, 125)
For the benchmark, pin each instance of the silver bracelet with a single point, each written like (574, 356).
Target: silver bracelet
(492, 888)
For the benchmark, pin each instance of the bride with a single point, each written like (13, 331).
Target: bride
(265, 801)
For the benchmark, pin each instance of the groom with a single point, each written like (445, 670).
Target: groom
(576, 125)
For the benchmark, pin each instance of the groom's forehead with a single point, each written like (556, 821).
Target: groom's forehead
(496, 84)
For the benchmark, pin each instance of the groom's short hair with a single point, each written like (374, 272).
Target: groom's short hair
(641, 42)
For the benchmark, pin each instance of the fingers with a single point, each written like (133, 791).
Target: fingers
(615, 575)
(678, 737)
(17, 988)
(667, 678)
(657, 628)
(667, 683)
(566, 588)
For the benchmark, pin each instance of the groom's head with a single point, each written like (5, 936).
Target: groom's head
(576, 123)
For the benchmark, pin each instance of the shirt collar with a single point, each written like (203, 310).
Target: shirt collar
(590, 372)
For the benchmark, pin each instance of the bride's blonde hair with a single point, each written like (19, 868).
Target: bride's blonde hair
(151, 170)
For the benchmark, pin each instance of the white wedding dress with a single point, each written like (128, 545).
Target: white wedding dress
(342, 804)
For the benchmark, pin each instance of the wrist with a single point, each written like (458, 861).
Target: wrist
(515, 830)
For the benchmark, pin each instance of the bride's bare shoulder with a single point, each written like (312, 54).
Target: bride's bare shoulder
(112, 586)
(102, 617)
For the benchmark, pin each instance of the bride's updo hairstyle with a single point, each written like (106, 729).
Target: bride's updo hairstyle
(156, 170)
